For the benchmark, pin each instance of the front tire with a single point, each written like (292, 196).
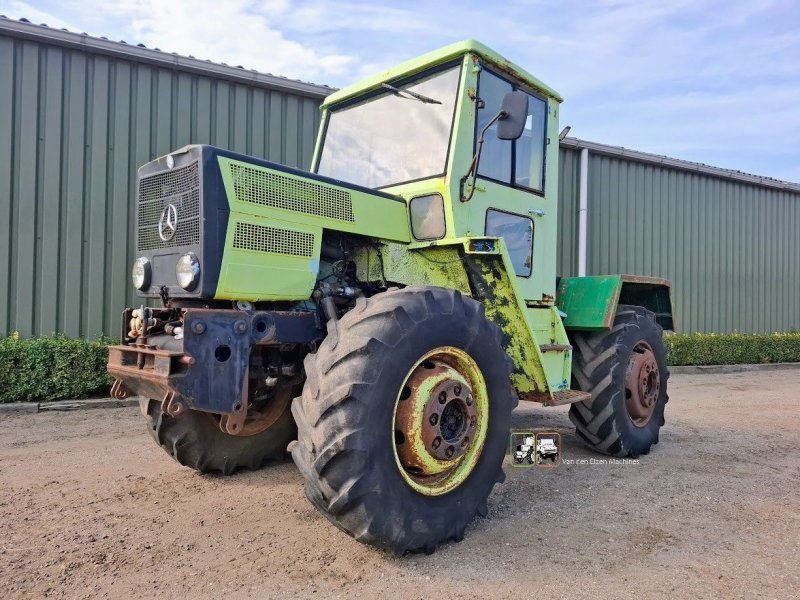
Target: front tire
(195, 440)
(625, 369)
(351, 417)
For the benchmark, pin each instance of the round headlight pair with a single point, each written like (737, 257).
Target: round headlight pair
(187, 272)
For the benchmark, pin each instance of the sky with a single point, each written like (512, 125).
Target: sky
(712, 81)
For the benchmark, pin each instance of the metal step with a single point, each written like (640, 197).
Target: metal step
(555, 347)
(558, 398)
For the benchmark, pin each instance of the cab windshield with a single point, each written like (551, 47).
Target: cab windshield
(401, 135)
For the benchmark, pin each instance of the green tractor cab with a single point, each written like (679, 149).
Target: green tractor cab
(385, 312)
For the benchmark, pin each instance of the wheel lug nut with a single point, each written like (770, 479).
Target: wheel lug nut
(437, 441)
(457, 389)
(469, 399)
(472, 421)
(442, 397)
(434, 419)
(464, 442)
(449, 452)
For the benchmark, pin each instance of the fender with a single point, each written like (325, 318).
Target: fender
(590, 303)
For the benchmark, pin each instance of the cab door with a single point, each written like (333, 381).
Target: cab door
(511, 176)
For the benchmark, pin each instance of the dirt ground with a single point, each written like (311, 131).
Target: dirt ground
(91, 507)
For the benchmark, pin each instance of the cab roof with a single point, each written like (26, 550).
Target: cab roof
(442, 55)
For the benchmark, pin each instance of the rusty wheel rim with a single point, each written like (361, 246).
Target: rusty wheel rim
(642, 384)
(440, 421)
(260, 419)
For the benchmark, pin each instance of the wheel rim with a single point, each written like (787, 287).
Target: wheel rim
(262, 418)
(440, 421)
(642, 384)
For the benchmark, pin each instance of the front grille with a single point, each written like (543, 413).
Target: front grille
(279, 191)
(249, 236)
(179, 187)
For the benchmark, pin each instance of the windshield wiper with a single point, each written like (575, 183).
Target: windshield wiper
(409, 93)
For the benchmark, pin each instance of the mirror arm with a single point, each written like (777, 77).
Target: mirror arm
(473, 166)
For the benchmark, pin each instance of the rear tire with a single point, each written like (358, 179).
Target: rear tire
(601, 362)
(348, 440)
(195, 440)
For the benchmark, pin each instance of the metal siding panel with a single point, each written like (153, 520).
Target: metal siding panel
(97, 158)
(308, 132)
(292, 141)
(220, 130)
(7, 109)
(202, 134)
(693, 207)
(748, 260)
(120, 198)
(24, 244)
(594, 232)
(277, 122)
(568, 206)
(240, 119)
(182, 112)
(162, 99)
(49, 276)
(259, 134)
(74, 217)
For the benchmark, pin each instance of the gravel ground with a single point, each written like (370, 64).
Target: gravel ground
(91, 507)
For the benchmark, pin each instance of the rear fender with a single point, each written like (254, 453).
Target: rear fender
(590, 303)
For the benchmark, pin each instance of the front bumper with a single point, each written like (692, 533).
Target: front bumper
(210, 371)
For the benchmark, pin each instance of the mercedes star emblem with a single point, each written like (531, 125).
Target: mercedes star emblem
(168, 223)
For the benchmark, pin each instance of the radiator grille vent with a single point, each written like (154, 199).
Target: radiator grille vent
(179, 187)
(278, 191)
(261, 238)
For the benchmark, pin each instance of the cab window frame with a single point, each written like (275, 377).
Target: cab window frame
(515, 85)
(400, 82)
(520, 216)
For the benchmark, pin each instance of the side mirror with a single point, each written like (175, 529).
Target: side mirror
(514, 114)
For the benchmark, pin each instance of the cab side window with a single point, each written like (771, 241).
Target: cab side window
(521, 162)
(496, 154)
(517, 233)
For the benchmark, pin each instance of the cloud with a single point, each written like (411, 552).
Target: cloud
(709, 80)
(236, 31)
(19, 10)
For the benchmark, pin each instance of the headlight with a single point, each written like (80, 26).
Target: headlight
(187, 271)
(140, 273)
(427, 217)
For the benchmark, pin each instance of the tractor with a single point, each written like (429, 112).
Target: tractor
(546, 448)
(381, 315)
(524, 452)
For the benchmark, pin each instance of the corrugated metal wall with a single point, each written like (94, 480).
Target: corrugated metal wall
(74, 126)
(731, 248)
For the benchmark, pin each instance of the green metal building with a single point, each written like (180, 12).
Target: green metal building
(78, 115)
(727, 240)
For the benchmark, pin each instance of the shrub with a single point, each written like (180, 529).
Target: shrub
(732, 349)
(52, 368)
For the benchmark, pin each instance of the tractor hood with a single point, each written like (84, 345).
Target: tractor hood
(252, 228)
